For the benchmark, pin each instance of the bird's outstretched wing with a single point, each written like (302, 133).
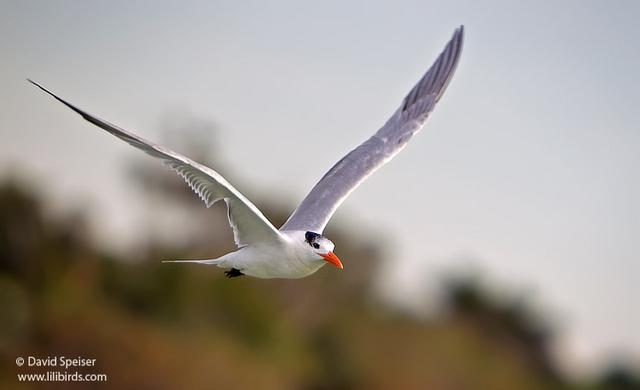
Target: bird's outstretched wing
(316, 209)
(249, 225)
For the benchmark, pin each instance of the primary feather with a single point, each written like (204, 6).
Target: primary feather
(249, 225)
(315, 211)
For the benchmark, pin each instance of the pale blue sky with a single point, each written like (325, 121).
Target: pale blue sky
(529, 164)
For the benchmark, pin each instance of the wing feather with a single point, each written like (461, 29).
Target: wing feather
(318, 206)
(249, 224)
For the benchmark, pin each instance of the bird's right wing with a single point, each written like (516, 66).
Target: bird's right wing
(249, 225)
(316, 209)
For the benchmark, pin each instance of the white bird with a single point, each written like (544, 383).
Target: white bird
(298, 248)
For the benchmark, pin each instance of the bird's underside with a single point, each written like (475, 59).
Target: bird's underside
(298, 249)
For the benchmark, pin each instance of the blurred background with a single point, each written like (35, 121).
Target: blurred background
(499, 250)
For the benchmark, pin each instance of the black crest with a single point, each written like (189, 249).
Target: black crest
(311, 236)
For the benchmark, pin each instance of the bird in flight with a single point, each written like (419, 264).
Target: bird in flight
(298, 248)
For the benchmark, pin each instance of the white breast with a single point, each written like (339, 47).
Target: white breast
(290, 259)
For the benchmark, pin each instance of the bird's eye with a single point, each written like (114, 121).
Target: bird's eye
(316, 245)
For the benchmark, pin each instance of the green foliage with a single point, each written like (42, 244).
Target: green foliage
(153, 325)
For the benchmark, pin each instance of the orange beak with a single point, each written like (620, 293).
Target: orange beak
(333, 259)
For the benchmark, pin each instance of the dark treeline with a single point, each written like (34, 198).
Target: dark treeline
(153, 325)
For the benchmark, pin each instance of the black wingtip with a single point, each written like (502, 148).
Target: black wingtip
(43, 88)
(34, 83)
(459, 32)
(61, 100)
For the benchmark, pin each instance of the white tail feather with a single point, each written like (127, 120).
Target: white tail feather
(205, 261)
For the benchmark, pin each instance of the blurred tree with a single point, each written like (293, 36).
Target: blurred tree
(153, 325)
(508, 322)
(619, 377)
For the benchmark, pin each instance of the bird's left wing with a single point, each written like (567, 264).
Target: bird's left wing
(316, 209)
(249, 225)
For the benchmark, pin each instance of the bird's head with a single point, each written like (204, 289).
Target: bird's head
(322, 247)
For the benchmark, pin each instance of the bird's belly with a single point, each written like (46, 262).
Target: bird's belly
(267, 263)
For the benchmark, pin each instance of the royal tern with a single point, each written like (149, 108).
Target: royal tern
(298, 248)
